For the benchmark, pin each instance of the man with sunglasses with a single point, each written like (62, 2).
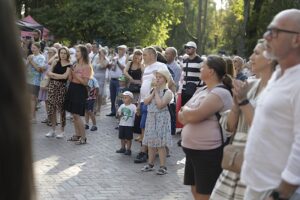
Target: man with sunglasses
(191, 71)
(271, 168)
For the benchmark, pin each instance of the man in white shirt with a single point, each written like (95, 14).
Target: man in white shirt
(150, 60)
(271, 168)
(94, 53)
(116, 71)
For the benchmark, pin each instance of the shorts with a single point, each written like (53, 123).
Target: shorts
(202, 169)
(144, 113)
(89, 105)
(34, 90)
(125, 132)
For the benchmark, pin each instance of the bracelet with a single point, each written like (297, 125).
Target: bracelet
(244, 102)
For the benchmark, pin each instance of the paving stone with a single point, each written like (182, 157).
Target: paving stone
(65, 171)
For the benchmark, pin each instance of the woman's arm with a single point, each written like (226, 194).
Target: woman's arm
(164, 101)
(126, 72)
(60, 76)
(37, 67)
(210, 105)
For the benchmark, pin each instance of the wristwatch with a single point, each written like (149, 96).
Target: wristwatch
(276, 195)
(244, 102)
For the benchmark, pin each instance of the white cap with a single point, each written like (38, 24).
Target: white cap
(191, 44)
(122, 47)
(127, 93)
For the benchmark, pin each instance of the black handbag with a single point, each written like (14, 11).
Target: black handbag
(134, 88)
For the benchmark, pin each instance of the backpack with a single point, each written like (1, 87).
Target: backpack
(218, 115)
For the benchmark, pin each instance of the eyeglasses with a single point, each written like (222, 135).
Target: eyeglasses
(273, 32)
(188, 47)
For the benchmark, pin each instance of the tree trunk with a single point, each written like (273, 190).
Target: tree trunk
(204, 36)
(187, 19)
(242, 46)
(199, 27)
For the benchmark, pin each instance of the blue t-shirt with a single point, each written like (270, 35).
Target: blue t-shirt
(33, 76)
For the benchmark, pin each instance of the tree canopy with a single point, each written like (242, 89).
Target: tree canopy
(234, 29)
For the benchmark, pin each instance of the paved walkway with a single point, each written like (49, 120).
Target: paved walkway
(94, 171)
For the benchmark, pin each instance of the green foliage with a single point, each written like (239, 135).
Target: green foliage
(134, 22)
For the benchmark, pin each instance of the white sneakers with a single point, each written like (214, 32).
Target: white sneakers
(50, 134)
(53, 134)
(60, 135)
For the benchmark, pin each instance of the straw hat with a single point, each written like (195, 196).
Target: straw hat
(165, 73)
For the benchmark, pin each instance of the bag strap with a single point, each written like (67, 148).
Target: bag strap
(218, 115)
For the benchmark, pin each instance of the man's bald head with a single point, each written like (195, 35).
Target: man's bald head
(289, 19)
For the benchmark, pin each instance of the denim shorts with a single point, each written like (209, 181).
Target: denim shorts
(144, 115)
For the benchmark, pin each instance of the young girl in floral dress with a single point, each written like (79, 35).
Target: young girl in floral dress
(158, 124)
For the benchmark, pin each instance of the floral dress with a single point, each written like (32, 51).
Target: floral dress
(158, 125)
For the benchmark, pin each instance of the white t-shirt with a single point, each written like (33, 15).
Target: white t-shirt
(148, 76)
(127, 114)
(118, 71)
(273, 147)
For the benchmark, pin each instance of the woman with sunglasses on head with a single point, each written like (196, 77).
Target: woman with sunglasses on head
(59, 73)
(229, 186)
(77, 92)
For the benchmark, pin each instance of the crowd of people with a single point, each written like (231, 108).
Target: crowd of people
(218, 100)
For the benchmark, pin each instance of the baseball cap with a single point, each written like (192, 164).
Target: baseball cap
(127, 93)
(122, 47)
(122, 78)
(190, 44)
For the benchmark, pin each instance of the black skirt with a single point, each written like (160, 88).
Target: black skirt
(202, 168)
(76, 99)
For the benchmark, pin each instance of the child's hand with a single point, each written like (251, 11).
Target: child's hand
(138, 112)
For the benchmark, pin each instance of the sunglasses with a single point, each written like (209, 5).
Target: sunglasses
(188, 47)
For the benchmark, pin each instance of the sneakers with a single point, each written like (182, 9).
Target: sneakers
(121, 150)
(162, 171)
(87, 127)
(50, 134)
(60, 136)
(127, 153)
(141, 158)
(94, 128)
(148, 168)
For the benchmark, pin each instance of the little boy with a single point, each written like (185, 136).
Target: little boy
(126, 113)
(93, 91)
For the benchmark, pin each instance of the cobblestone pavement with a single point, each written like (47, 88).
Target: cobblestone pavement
(94, 171)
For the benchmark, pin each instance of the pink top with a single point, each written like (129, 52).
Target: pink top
(83, 72)
(205, 135)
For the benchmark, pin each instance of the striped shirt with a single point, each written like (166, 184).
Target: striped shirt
(191, 70)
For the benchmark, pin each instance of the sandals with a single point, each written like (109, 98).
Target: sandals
(74, 138)
(81, 141)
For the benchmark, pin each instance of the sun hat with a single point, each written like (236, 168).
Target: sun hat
(127, 93)
(165, 73)
(191, 44)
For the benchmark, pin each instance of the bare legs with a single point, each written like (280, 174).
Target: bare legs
(79, 126)
(162, 155)
(198, 196)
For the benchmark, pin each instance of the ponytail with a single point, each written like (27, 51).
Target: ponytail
(227, 81)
